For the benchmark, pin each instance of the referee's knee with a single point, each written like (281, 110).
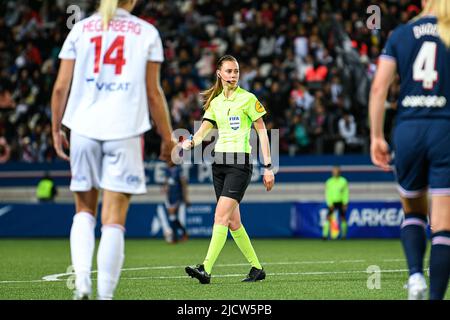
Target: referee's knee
(224, 221)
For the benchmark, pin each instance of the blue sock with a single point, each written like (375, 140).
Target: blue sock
(439, 264)
(414, 240)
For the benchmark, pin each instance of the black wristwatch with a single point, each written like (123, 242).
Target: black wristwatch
(267, 166)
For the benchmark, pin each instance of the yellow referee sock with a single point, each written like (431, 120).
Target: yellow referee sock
(218, 239)
(242, 240)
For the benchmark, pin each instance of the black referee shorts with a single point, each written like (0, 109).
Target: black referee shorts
(339, 206)
(231, 179)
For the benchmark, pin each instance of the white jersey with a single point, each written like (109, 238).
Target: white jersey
(108, 97)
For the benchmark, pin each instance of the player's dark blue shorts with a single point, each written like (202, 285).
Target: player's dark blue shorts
(173, 199)
(422, 157)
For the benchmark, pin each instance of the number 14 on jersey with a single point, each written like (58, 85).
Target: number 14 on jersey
(116, 49)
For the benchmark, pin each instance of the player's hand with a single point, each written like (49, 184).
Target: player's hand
(167, 146)
(268, 179)
(59, 143)
(379, 153)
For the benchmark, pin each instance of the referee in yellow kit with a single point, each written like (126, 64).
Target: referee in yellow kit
(232, 110)
(336, 194)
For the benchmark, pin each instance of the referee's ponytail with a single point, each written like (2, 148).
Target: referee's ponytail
(107, 10)
(215, 90)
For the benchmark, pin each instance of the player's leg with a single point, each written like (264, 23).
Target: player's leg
(244, 244)
(224, 209)
(174, 215)
(222, 180)
(440, 248)
(172, 210)
(85, 161)
(413, 231)
(179, 225)
(111, 253)
(343, 220)
(411, 166)
(122, 175)
(164, 220)
(414, 242)
(439, 175)
(219, 232)
(327, 224)
(82, 241)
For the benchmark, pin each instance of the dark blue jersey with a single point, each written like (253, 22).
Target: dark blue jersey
(423, 63)
(174, 175)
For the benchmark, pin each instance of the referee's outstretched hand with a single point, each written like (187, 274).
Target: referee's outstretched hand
(379, 152)
(268, 179)
(186, 144)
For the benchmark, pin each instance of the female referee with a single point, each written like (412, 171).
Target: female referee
(232, 110)
(111, 64)
(420, 52)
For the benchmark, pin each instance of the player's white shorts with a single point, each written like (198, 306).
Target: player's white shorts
(114, 165)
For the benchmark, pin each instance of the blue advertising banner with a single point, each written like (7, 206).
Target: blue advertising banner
(291, 169)
(271, 220)
(144, 220)
(364, 219)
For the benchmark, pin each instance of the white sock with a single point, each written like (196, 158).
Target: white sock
(110, 258)
(82, 244)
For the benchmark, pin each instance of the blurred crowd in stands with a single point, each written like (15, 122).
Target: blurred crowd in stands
(292, 56)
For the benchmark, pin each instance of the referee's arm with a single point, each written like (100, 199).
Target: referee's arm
(328, 197)
(264, 140)
(202, 132)
(345, 194)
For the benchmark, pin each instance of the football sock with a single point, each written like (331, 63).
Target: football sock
(110, 257)
(344, 228)
(242, 240)
(218, 239)
(414, 241)
(439, 264)
(82, 244)
(325, 228)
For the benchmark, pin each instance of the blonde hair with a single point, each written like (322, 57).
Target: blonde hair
(215, 90)
(107, 10)
(441, 9)
(427, 8)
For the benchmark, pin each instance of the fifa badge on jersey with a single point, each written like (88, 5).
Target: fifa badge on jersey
(259, 107)
(235, 122)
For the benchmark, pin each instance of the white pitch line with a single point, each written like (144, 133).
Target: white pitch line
(26, 281)
(310, 273)
(56, 277)
(313, 273)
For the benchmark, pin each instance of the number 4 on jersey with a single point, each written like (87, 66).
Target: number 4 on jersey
(117, 46)
(425, 64)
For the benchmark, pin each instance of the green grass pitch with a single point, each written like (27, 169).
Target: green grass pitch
(153, 269)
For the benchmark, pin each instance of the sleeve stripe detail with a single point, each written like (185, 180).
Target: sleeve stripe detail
(388, 57)
(209, 120)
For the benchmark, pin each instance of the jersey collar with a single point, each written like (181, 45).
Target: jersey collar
(233, 96)
(122, 12)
